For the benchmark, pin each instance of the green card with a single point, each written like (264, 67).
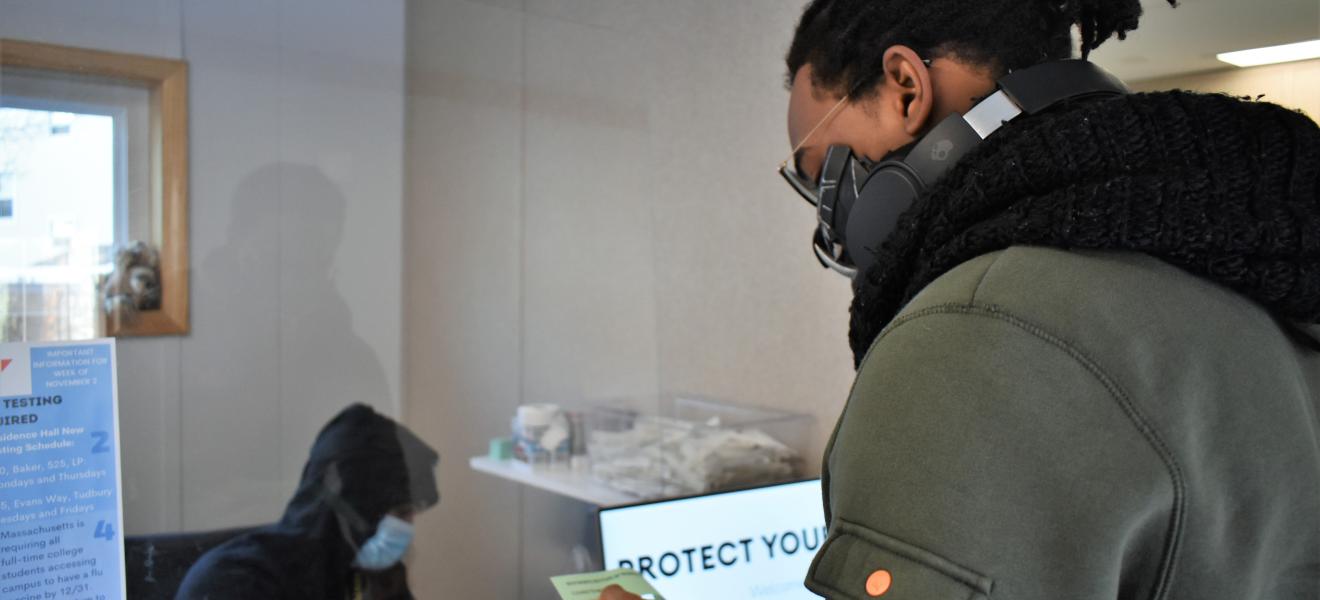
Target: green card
(588, 586)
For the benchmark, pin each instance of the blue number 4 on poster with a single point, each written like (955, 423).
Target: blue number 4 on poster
(60, 508)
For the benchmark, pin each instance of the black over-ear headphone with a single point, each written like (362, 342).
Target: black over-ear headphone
(858, 205)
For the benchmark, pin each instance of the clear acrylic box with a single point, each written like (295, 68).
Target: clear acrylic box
(682, 444)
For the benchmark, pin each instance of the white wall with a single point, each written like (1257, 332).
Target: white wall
(296, 142)
(1295, 85)
(593, 210)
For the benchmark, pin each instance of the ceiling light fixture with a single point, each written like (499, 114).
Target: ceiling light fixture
(1272, 54)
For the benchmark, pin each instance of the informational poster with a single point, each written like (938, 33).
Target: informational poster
(60, 509)
(755, 543)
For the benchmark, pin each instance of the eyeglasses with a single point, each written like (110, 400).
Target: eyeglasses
(803, 185)
(791, 171)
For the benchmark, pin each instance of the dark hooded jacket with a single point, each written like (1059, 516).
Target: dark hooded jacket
(1088, 367)
(362, 466)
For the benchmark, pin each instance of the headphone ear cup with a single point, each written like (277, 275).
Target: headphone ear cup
(890, 189)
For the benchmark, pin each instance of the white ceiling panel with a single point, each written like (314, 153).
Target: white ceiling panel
(1173, 41)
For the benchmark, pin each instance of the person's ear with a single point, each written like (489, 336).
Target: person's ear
(908, 86)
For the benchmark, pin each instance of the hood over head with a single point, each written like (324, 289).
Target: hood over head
(370, 463)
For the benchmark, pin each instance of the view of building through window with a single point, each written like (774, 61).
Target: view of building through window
(57, 221)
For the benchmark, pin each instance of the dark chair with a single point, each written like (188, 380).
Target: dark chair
(156, 564)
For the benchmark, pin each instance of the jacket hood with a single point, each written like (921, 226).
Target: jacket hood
(370, 463)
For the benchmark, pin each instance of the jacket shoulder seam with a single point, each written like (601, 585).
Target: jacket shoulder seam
(984, 274)
(1116, 393)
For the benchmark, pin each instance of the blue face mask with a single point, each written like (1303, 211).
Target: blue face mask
(387, 547)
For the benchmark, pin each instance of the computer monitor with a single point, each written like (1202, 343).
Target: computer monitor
(751, 543)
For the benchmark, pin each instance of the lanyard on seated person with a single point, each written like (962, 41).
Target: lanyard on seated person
(355, 593)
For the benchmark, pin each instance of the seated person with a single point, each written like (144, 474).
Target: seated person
(344, 534)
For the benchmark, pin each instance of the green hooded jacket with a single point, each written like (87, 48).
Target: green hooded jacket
(1040, 424)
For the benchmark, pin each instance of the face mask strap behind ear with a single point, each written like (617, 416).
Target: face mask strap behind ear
(389, 539)
(331, 493)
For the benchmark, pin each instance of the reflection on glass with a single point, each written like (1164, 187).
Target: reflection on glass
(57, 221)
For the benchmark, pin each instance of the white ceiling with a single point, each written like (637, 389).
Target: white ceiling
(1185, 40)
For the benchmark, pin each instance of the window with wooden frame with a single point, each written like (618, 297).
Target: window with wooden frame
(93, 193)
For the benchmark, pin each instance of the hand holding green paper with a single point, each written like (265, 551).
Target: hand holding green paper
(592, 586)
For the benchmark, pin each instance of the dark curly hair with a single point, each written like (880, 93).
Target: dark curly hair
(844, 41)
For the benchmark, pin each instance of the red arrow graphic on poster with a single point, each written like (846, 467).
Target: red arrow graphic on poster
(4, 364)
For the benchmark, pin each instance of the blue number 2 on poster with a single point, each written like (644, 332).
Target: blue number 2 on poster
(60, 512)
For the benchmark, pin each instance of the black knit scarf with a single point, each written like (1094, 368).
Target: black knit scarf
(1222, 187)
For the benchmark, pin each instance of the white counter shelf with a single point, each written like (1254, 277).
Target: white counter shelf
(564, 481)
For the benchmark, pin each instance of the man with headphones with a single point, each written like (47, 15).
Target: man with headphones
(1083, 319)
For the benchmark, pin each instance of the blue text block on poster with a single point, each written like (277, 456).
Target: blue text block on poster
(60, 511)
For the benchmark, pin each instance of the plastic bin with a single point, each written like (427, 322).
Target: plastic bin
(683, 444)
